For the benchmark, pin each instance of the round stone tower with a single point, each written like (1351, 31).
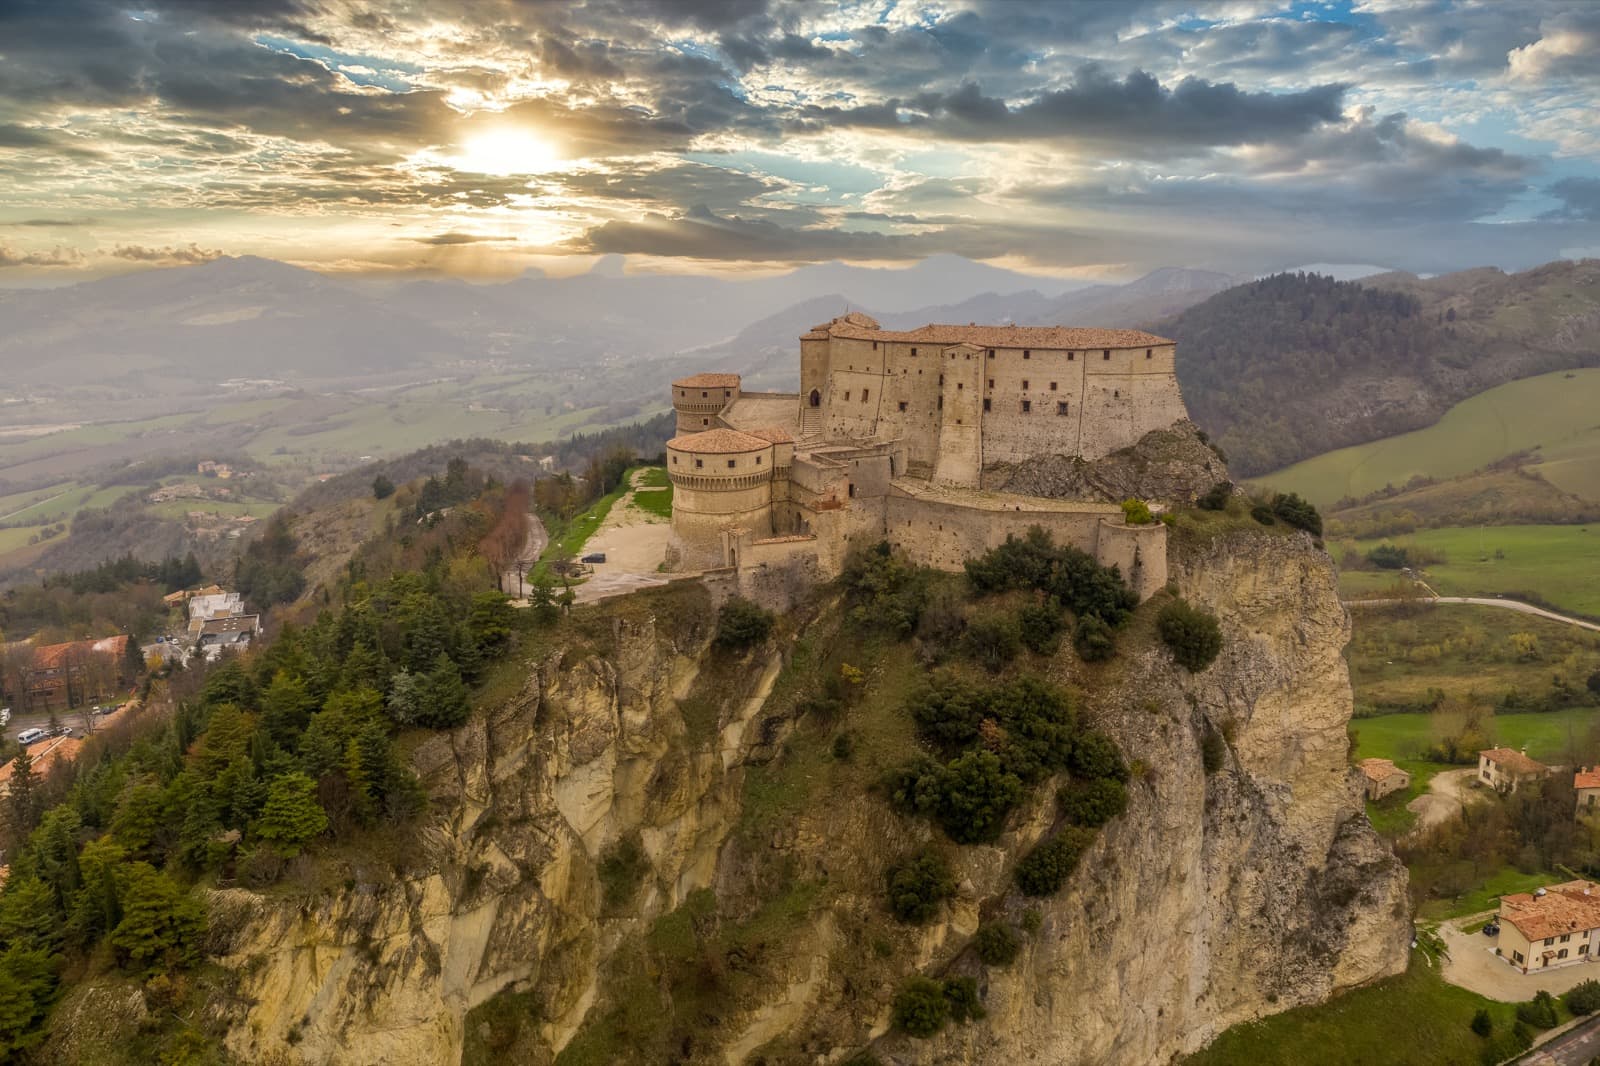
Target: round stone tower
(721, 479)
(699, 399)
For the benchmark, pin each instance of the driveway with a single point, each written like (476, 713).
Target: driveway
(1472, 964)
(634, 542)
(1448, 792)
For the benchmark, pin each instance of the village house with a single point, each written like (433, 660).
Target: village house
(1380, 777)
(63, 676)
(203, 608)
(218, 635)
(1550, 927)
(1586, 783)
(1503, 769)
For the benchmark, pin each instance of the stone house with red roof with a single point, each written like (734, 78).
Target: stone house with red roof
(1586, 783)
(1503, 769)
(1554, 926)
(1380, 777)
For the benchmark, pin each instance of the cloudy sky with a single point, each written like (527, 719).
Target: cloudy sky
(1095, 139)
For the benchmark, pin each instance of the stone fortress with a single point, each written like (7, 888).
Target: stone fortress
(896, 435)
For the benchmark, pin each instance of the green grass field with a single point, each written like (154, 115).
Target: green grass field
(1402, 737)
(1558, 413)
(1415, 1018)
(1560, 564)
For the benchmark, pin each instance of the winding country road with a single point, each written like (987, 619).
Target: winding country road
(1483, 601)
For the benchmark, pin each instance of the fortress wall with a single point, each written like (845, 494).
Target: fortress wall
(960, 456)
(914, 381)
(944, 534)
(1140, 552)
(1126, 398)
(1009, 432)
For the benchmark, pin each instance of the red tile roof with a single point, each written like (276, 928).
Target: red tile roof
(708, 381)
(1047, 337)
(51, 656)
(1566, 908)
(1514, 762)
(1587, 778)
(1378, 770)
(718, 442)
(775, 434)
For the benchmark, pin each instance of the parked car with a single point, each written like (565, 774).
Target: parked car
(594, 557)
(30, 736)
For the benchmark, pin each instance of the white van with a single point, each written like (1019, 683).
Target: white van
(29, 736)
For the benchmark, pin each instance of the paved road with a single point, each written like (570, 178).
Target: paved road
(1483, 601)
(1577, 1046)
(532, 548)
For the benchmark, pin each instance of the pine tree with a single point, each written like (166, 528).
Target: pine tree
(445, 698)
(291, 815)
(23, 795)
(161, 923)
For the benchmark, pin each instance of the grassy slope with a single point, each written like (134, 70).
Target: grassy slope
(1554, 412)
(1555, 563)
(1415, 1018)
(1546, 736)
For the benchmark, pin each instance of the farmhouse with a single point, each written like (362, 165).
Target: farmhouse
(1586, 783)
(1503, 769)
(899, 436)
(1380, 777)
(1551, 926)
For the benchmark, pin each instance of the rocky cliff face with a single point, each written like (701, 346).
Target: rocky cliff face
(1172, 465)
(757, 928)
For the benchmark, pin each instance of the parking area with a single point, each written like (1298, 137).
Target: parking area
(1472, 964)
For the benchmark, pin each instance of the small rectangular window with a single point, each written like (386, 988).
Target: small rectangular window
(758, 460)
(1026, 354)
(1027, 406)
(986, 404)
(991, 353)
(960, 386)
(1024, 382)
(674, 460)
(1052, 386)
(703, 395)
(699, 462)
(1061, 407)
(913, 351)
(902, 405)
(941, 403)
(864, 395)
(846, 394)
(1147, 353)
(1106, 354)
(1071, 356)
(941, 379)
(730, 464)
(991, 383)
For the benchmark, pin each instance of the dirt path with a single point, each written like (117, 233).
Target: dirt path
(532, 548)
(1483, 601)
(634, 542)
(1447, 794)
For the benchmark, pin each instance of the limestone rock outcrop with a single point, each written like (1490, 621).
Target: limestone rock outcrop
(1170, 465)
(1217, 897)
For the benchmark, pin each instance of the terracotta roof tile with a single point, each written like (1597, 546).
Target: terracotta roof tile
(775, 434)
(1514, 762)
(718, 442)
(709, 381)
(1378, 770)
(1566, 908)
(1065, 338)
(1587, 778)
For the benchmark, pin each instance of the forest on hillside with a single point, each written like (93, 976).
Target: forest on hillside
(1294, 365)
(1260, 363)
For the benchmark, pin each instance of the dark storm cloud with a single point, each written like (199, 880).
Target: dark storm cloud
(1136, 110)
(1580, 199)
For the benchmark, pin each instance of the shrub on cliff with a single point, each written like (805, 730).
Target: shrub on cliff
(1136, 513)
(1092, 803)
(1217, 497)
(1041, 626)
(992, 639)
(1073, 577)
(1297, 512)
(1191, 633)
(887, 593)
(1093, 640)
(962, 995)
(997, 943)
(742, 624)
(917, 885)
(976, 793)
(1048, 866)
(920, 1007)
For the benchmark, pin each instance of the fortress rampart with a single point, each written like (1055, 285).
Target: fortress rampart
(889, 436)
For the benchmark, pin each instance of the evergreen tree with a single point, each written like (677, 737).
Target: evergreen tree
(161, 923)
(405, 697)
(23, 795)
(286, 707)
(291, 816)
(444, 696)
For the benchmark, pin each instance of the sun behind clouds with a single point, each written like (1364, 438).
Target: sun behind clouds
(505, 151)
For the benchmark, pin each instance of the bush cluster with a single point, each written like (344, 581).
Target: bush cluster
(1192, 634)
(742, 624)
(997, 943)
(886, 592)
(1047, 867)
(1092, 803)
(1072, 577)
(1294, 511)
(917, 886)
(1540, 1011)
(1583, 997)
(922, 1005)
(1217, 496)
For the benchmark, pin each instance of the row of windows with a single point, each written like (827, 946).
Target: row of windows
(1027, 353)
(700, 463)
(726, 394)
